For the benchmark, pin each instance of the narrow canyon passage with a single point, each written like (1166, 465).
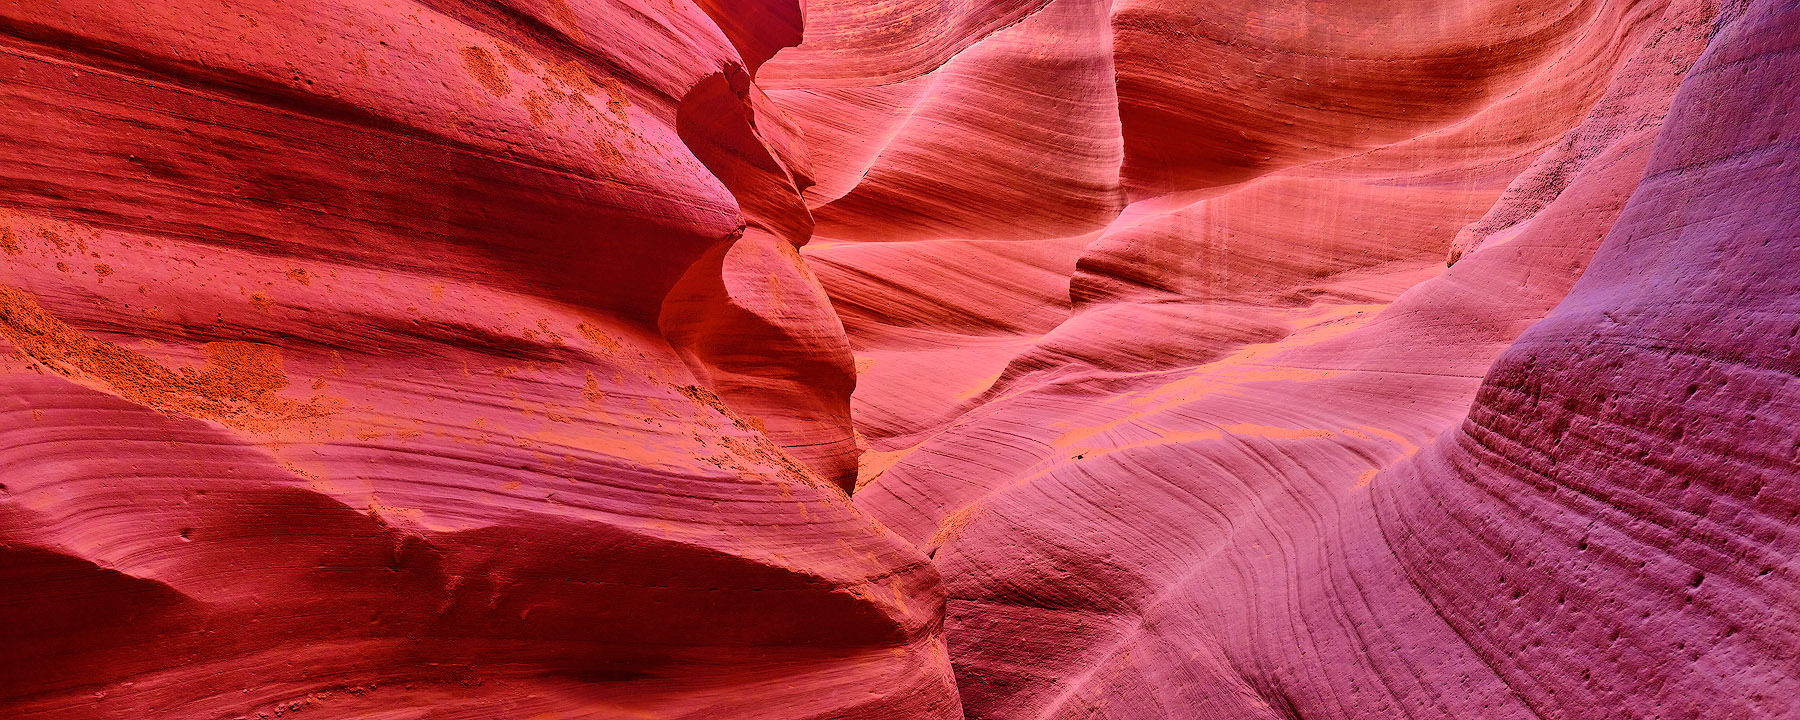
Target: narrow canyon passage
(1003, 359)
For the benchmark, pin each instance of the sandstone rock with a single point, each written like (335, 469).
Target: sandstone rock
(899, 359)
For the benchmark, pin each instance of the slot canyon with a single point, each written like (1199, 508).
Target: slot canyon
(900, 359)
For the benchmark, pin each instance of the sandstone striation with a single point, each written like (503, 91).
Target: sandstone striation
(900, 359)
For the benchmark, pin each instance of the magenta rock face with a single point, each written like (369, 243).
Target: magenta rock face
(895, 359)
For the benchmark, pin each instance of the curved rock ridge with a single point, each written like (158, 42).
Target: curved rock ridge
(1297, 82)
(1640, 438)
(1195, 462)
(428, 360)
(900, 359)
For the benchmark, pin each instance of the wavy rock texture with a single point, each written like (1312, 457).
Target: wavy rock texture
(427, 360)
(1185, 359)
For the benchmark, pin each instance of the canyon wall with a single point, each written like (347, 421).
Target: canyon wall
(900, 359)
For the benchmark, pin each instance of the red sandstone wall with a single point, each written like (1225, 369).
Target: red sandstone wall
(1191, 360)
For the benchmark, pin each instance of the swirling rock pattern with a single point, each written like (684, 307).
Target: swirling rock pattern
(427, 360)
(900, 359)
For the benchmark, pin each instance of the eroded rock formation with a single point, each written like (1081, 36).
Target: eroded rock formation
(900, 359)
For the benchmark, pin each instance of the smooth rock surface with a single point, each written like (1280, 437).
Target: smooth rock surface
(900, 359)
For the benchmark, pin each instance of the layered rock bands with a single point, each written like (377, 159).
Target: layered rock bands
(998, 359)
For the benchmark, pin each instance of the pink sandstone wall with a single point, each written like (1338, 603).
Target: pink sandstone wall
(871, 359)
